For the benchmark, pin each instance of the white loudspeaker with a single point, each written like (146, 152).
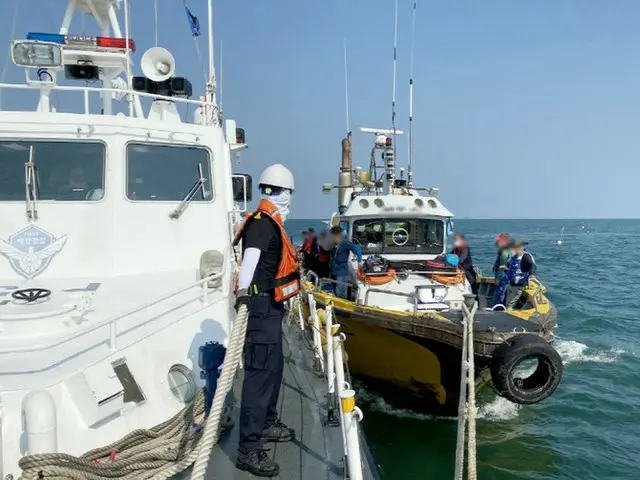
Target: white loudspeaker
(158, 64)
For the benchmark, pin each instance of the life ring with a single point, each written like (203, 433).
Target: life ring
(377, 279)
(537, 386)
(448, 278)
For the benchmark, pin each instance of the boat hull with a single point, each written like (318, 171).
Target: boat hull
(415, 361)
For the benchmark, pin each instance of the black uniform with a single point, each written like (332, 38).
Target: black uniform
(263, 357)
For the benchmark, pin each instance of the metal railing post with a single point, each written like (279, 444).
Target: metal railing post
(330, 356)
(341, 384)
(317, 340)
(300, 316)
(351, 416)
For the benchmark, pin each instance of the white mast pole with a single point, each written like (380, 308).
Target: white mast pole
(212, 73)
(128, 55)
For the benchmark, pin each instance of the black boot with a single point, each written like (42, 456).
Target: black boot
(278, 432)
(258, 464)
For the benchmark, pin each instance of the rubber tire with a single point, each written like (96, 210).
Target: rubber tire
(539, 385)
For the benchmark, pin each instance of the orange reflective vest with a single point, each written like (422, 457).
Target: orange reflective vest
(286, 283)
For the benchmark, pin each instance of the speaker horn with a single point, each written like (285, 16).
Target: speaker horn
(158, 64)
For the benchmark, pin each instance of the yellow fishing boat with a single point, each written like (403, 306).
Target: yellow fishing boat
(403, 313)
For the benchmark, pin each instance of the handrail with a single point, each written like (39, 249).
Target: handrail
(112, 320)
(71, 88)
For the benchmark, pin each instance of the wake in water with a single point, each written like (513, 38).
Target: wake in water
(498, 408)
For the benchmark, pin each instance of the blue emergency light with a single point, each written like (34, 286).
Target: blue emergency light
(83, 40)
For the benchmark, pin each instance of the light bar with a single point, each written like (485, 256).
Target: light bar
(83, 41)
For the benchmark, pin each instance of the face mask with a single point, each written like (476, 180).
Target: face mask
(281, 201)
(457, 243)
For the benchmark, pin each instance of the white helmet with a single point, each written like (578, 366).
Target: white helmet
(277, 176)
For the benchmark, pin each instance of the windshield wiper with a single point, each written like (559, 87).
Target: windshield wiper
(31, 186)
(198, 185)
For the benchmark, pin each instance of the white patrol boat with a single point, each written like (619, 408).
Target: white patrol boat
(115, 246)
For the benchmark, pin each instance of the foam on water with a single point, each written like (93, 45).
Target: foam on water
(498, 409)
(576, 352)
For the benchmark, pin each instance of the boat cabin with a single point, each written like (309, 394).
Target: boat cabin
(402, 237)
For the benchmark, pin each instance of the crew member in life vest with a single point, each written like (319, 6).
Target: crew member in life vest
(269, 275)
(520, 269)
(462, 250)
(500, 269)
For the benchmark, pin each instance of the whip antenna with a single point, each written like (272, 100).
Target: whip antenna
(346, 87)
(413, 43)
(393, 97)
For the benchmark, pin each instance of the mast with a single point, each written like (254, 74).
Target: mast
(413, 42)
(211, 86)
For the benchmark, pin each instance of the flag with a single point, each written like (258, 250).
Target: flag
(194, 23)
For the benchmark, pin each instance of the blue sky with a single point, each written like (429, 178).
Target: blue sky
(522, 109)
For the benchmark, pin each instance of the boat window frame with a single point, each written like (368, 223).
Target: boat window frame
(105, 159)
(210, 158)
(399, 250)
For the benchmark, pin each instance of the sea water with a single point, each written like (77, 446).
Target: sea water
(590, 428)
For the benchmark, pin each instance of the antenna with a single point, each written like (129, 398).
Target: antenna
(346, 86)
(413, 44)
(212, 71)
(220, 82)
(393, 98)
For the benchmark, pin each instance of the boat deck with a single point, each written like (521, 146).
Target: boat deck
(317, 452)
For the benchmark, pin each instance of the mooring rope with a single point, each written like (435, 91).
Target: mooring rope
(160, 452)
(467, 403)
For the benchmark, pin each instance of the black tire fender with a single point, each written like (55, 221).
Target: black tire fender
(537, 386)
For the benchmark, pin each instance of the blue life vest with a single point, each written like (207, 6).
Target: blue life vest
(515, 275)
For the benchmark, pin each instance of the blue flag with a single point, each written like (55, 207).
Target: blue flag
(194, 23)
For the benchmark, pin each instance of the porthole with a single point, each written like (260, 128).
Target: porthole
(182, 383)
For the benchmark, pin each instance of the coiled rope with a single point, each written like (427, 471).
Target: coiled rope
(467, 404)
(160, 452)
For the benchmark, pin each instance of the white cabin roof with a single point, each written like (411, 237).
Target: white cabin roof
(396, 206)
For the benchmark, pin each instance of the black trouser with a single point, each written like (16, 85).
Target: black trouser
(473, 281)
(263, 368)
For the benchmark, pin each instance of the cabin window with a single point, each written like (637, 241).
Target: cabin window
(406, 235)
(62, 171)
(168, 173)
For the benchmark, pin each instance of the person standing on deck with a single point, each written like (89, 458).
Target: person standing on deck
(310, 250)
(461, 248)
(339, 265)
(521, 268)
(269, 275)
(325, 244)
(500, 269)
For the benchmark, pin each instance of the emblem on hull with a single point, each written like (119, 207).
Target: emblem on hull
(30, 250)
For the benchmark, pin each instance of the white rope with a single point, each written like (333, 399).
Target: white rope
(158, 453)
(231, 363)
(467, 403)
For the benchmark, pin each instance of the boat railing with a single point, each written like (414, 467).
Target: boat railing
(132, 96)
(111, 322)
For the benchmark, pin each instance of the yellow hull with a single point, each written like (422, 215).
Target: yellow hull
(418, 372)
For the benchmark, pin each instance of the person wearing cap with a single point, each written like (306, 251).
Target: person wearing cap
(500, 269)
(520, 269)
(269, 276)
